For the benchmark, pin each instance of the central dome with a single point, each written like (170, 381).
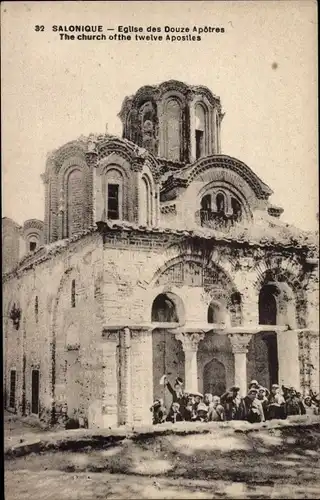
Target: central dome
(173, 120)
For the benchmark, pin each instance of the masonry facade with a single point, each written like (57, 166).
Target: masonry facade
(157, 254)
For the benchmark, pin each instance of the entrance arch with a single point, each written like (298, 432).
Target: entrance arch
(168, 355)
(214, 378)
(265, 343)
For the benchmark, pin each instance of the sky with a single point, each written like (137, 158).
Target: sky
(263, 67)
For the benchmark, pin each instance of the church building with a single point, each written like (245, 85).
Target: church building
(158, 254)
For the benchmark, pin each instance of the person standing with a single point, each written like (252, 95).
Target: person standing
(294, 404)
(159, 412)
(263, 395)
(276, 404)
(174, 414)
(177, 393)
(253, 407)
(310, 407)
(216, 410)
(233, 404)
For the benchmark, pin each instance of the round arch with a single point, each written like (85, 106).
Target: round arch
(188, 270)
(217, 312)
(167, 307)
(56, 323)
(288, 294)
(216, 186)
(233, 166)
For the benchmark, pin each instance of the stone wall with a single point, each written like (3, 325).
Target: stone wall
(96, 351)
(59, 339)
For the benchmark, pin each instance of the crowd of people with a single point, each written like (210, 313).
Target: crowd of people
(258, 405)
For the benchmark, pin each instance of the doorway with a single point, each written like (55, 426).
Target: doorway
(268, 315)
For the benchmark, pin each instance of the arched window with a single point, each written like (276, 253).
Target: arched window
(173, 129)
(75, 202)
(221, 203)
(200, 131)
(206, 203)
(146, 202)
(32, 243)
(114, 194)
(268, 305)
(235, 309)
(164, 310)
(236, 209)
(216, 314)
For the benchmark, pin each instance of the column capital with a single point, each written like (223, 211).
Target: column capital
(239, 342)
(189, 341)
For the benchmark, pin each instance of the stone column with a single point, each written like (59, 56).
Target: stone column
(314, 361)
(239, 344)
(125, 393)
(309, 360)
(110, 379)
(190, 343)
(288, 358)
(142, 374)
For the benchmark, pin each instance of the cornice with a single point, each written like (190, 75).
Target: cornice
(132, 230)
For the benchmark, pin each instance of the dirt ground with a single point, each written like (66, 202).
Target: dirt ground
(269, 463)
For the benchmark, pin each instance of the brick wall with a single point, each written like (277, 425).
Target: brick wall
(115, 284)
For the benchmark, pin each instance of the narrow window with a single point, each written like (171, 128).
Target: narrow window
(146, 202)
(200, 130)
(32, 246)
(73, 293)
(215, 314)
(35, 392)
(236, 208)
(12, 396)
(113, 201)
(206, 203)
(75, 213)
(199, 143)
(172, 130)
(220, 203)
(36, 308)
